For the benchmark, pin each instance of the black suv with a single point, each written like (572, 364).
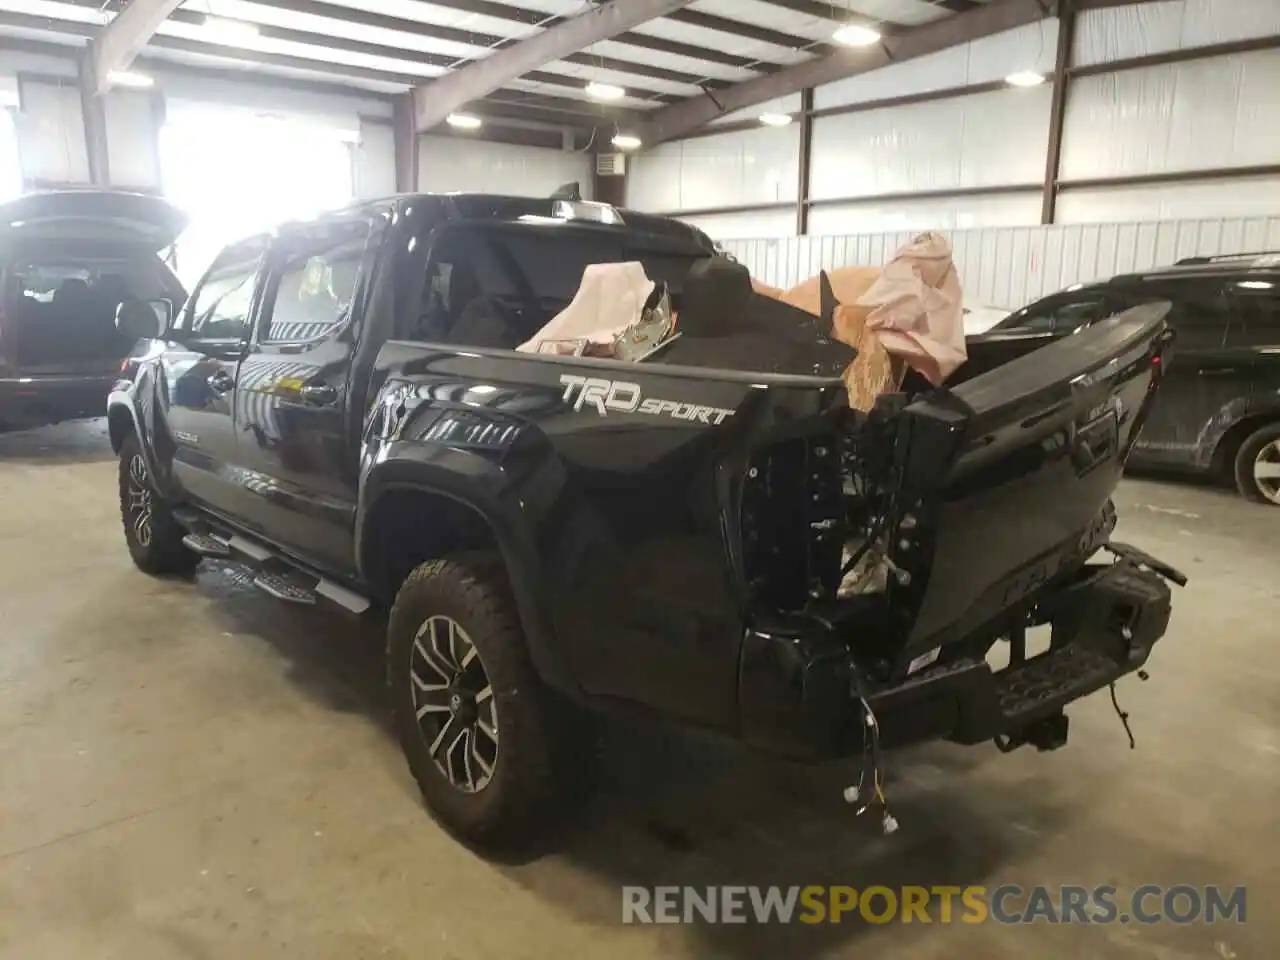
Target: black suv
(1219, 406)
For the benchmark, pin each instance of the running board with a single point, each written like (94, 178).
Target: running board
(206, 544)
(290, 584)
(283, 589)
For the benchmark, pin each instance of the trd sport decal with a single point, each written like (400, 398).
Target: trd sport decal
(621, 396)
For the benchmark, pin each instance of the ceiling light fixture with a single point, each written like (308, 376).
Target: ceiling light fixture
(605, 91)
(127, 78)
(464, 121)
(1024, 78)
(856, 35)
(230, 31)
(626, 141)
(775, 119)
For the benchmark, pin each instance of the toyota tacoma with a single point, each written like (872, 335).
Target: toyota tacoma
(339, 406)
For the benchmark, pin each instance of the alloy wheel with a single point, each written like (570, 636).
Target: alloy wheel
(1266, 471)
(454, 704)
(139, 501)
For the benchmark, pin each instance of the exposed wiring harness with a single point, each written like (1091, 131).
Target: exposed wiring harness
(870, 759)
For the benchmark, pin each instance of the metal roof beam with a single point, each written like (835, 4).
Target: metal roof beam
(434, 101)
(116, 47)
(995, 17)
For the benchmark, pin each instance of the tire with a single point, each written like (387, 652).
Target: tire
(152, 534)
(1257, 466)
(492, 748)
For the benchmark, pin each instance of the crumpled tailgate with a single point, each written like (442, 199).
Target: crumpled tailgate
(1011, 473)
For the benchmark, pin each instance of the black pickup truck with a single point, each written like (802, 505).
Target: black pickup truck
(339, 406)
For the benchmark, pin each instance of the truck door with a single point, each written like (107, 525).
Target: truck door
(295, 448)
(200, 361)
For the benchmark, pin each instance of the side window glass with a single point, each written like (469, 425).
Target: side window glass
(1056, 316)
(1079, 313)
(1258, 322)
(314, 286)
(1198, 315)
(220, 309)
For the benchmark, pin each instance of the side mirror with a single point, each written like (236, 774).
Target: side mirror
(144, 319)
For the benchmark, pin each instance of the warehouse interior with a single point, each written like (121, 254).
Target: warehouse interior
(191, 768)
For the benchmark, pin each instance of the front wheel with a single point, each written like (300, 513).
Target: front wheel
(490, 746)
(152, 534)
(1257, 466)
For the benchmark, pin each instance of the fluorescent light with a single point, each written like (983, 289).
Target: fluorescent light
(1024, 78)
(856, 35)
(127, 78)
(1255, 285)
(229, 31)
(626, 141)
(775, 119)
(464, 121)
(605, 91)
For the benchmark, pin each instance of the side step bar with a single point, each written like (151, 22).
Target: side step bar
(290, 584)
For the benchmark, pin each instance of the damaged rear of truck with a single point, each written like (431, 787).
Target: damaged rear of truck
(684, 539)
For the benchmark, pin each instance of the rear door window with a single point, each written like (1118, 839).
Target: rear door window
(1199, 312)
(1257, 322)
(314, 283)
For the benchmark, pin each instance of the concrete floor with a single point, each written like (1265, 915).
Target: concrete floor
(196, 771)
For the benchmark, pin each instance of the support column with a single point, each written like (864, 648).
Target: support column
(806, 151)
(405, 136)
(95, 121)
(1058, 108)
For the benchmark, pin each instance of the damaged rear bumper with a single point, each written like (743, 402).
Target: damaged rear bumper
(797, 692)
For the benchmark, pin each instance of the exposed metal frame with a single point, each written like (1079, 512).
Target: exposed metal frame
(1251, 45)
(118, 44)
(1058, 109)
(435, 100)
(806, 156)
(997, 16)
(1173, 176)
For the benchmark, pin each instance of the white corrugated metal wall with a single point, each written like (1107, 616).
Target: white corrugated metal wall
(1012, 266)
(1200, 114)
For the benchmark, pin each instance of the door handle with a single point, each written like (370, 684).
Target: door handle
(220, 381)
(318, 394)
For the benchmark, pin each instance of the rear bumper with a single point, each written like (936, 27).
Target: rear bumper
(797, 694)
(30, 401)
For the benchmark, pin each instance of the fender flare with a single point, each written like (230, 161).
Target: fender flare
(454, 475)
(1227, 417)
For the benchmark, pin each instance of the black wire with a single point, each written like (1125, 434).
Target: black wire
(1124, 717)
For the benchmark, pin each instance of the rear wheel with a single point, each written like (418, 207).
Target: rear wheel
(152, 534)
(1257, 467)
(489, 744)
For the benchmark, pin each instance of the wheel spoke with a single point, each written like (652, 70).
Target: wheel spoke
(484, 694)
(488, 731)
(447, 736)
(485, 767)
(439, 668)
(142, 528)
(467, 748)
(429, 698)
(1266, 469)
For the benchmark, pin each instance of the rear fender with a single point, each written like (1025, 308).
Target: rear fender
(481, 485)
(1215, 430)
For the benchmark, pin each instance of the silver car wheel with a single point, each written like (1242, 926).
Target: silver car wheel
(1266, 471)
(454, 704)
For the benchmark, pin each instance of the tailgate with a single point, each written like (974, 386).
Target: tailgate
(1015, 468)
